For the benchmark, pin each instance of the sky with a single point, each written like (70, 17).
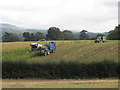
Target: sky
(75, 15)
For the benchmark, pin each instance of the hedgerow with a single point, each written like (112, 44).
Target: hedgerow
(60, 70)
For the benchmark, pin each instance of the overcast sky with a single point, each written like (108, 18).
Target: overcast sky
(76, 15)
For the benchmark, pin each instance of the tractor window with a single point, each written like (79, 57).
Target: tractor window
(34, 46)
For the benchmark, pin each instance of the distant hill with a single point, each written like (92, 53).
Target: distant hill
(11, 29)
(17, 30)
(36, 30)
(9, 26)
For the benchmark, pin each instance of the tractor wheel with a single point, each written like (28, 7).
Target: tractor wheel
(53, 51)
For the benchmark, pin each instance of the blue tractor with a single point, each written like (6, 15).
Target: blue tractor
(51, 46)
(47, 49)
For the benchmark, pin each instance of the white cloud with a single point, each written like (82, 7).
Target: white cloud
(92, 15)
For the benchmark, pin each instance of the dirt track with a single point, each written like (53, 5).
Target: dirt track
(32, 83)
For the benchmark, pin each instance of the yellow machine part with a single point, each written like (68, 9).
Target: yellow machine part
(48, 52)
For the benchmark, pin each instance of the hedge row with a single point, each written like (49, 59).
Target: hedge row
(61, 70)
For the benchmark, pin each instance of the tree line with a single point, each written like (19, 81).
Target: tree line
(54, 33)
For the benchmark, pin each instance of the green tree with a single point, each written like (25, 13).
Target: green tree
(32, 37)
(39, 35)
(114, 34)
(68, 35)
(10, 37)
(55, 34)
(83, 35)
(27, 36)
(117, 27)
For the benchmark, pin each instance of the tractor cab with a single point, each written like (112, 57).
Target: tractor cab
(35, 46)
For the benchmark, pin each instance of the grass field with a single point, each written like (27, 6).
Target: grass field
(84, 51)
(82, 59)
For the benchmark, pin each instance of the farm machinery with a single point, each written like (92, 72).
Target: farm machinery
(35, 46)
(43, 50)
(100, 39)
